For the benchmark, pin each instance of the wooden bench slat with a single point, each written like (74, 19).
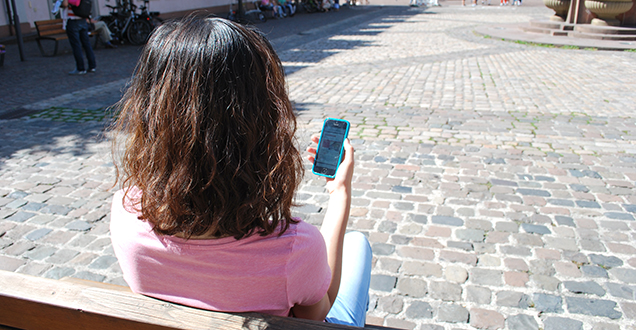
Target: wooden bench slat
(45, 27)
(50, 28)
(36, 303)
(54, 35)
(49, 21)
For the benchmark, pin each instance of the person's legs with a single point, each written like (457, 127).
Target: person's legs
(86, 44)
(104, 32)
(73, 33)
(352, 301)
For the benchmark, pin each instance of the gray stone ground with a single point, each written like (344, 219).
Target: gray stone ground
(495, 180)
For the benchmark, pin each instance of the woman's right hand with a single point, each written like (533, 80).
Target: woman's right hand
(344, 174)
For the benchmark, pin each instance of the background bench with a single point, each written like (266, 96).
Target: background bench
(52, 30)
(34, 303)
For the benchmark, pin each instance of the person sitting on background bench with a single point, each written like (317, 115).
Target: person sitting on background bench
(104, 33)
(267, 5)
(209, 172)
(288, 7)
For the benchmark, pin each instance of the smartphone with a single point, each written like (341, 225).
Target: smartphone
(330, 147)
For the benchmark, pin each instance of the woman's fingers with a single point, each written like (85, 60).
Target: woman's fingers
(312, 150)
(348, 148)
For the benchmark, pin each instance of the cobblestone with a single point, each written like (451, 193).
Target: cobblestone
(560, 323)
(547, 303)
(522, 322)
(584, 287)
(486, 319)
(419, 310)
(624, 274)
(595, 307)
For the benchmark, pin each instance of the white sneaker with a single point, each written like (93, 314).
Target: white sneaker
(77, 72)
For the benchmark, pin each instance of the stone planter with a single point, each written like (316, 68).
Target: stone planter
(560, 8)
(606, 11)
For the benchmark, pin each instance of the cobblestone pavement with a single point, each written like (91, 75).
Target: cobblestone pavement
(23, 93)
(495, 180)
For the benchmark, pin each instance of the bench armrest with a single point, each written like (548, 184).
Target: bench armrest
(30, 302)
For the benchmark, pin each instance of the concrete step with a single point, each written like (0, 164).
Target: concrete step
(607, 30)
(533, 29)
(597, 36)
(546, 24)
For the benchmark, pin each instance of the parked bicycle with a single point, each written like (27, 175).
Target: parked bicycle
(311, 6)
(151, 16)
(249, 16)
(124, 22)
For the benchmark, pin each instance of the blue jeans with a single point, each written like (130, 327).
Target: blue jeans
(77, 32)
(352, 302)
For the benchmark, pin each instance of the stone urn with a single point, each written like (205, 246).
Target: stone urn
(607, 10)
(560, 8)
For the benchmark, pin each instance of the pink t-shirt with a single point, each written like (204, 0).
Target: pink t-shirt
(255, 274)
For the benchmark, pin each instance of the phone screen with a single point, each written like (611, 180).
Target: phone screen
(330, 147)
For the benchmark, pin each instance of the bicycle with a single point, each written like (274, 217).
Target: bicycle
(123, 21)
(151, 16)
(310, 6)
(249, 16)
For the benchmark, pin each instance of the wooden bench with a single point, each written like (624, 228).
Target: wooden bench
(53, 30)
(33, 303)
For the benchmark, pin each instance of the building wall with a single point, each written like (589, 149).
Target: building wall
(22, 13)
(169, 6)
(30, 11)
(3, 14)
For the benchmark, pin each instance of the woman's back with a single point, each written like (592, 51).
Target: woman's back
(268, 274)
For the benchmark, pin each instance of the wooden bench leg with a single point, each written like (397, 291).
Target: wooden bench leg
(42, 48)
(55, 50)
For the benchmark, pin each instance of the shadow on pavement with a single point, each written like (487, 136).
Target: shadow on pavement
(31, 143)
(341, 36)
(42, 78)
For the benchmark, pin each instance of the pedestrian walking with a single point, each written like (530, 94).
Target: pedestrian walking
(77, 32)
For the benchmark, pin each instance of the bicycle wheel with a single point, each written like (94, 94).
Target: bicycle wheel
(138, 32)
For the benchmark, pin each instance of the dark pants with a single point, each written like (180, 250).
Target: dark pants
(77, 32)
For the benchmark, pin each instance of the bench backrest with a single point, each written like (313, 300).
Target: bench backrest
(29, 302)
(49, 27)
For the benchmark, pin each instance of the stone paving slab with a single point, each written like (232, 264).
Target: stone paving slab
(494, 180)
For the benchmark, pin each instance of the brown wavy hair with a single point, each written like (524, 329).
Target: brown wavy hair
(209, 132)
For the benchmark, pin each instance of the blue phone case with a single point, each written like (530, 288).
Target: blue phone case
(341, 147)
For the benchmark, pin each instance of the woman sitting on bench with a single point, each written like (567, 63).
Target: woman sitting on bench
(210, 169)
